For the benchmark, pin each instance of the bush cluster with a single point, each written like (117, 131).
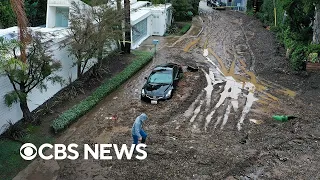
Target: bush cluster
(75, 112)
(293, 27)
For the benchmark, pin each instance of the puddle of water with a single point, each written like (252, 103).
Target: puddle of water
(217, 122)
(253, 80)
(246, 109)
(190, 110)
(232, 89)
(235, 105)
(208, 119)
(206, 45)
(216, 77)
(231, 71)
(256, 121)
(266, 98)
(192, 43)
(262, 102)
(288, 92)
(226, 116)
(223, 68)
(208, 89)
(217, 68)
(205, 52)
(272, 97)
(243, 63)
(196, 112)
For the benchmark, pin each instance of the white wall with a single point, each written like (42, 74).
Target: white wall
(135, 45)
(36, 98)
(133, 1)
(160, 19)
(51, 16)
(51, 9)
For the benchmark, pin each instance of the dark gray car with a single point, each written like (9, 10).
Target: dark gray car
(161, 82)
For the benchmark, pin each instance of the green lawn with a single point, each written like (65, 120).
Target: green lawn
(10, 160)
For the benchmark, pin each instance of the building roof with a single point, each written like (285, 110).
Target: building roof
(53, 35)
(139, 4)
(158, 7)
(139, 15)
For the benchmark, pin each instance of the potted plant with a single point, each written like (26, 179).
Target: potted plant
(313, 62)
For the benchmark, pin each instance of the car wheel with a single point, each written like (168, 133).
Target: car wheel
(142, 98)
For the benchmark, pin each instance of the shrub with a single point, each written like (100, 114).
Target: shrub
(185, 29)
(71, 115)
(298, 57)
(13, 131)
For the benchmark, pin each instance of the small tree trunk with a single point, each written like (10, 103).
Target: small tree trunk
(100, 52)
(26, 111)
(316, 25)
(24, 106)
(118, 5)
(128, 29)
(79, 74)
(120, 44)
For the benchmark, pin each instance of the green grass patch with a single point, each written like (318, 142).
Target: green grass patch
(185, 29)
(74, 113)
(10, 160)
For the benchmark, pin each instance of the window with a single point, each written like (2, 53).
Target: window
(139, 30)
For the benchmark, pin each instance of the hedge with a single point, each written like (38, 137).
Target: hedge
(185, 28)
(75, 112)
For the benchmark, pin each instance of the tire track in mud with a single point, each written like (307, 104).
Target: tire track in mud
(226, 40)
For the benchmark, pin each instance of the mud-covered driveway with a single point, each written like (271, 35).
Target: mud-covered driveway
(218, 124)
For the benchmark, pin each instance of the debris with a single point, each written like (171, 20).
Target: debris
(173, 138)
(266, 27)
(283, 118)
(192, 69)
(115, 98)
(154, 102)
(283, 159)
(230, 178)
(114, 117)
(256, 121)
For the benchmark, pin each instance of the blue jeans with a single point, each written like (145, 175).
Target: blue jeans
(136, 138)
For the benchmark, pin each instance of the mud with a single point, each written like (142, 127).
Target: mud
(218, 124)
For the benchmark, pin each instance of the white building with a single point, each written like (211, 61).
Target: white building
(146, 20)
(161, 18)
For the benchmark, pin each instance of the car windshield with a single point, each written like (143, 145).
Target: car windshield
(160, 77)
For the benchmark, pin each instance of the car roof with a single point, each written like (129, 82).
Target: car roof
(162, 69)
(166, 66)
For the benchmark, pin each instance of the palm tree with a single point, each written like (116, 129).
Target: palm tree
(24, 36)
(128, 29)
(316, 25)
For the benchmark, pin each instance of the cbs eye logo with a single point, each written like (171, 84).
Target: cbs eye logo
(28, 151)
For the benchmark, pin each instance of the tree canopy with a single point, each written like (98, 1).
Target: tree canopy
(39, 69)
(36, 11)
